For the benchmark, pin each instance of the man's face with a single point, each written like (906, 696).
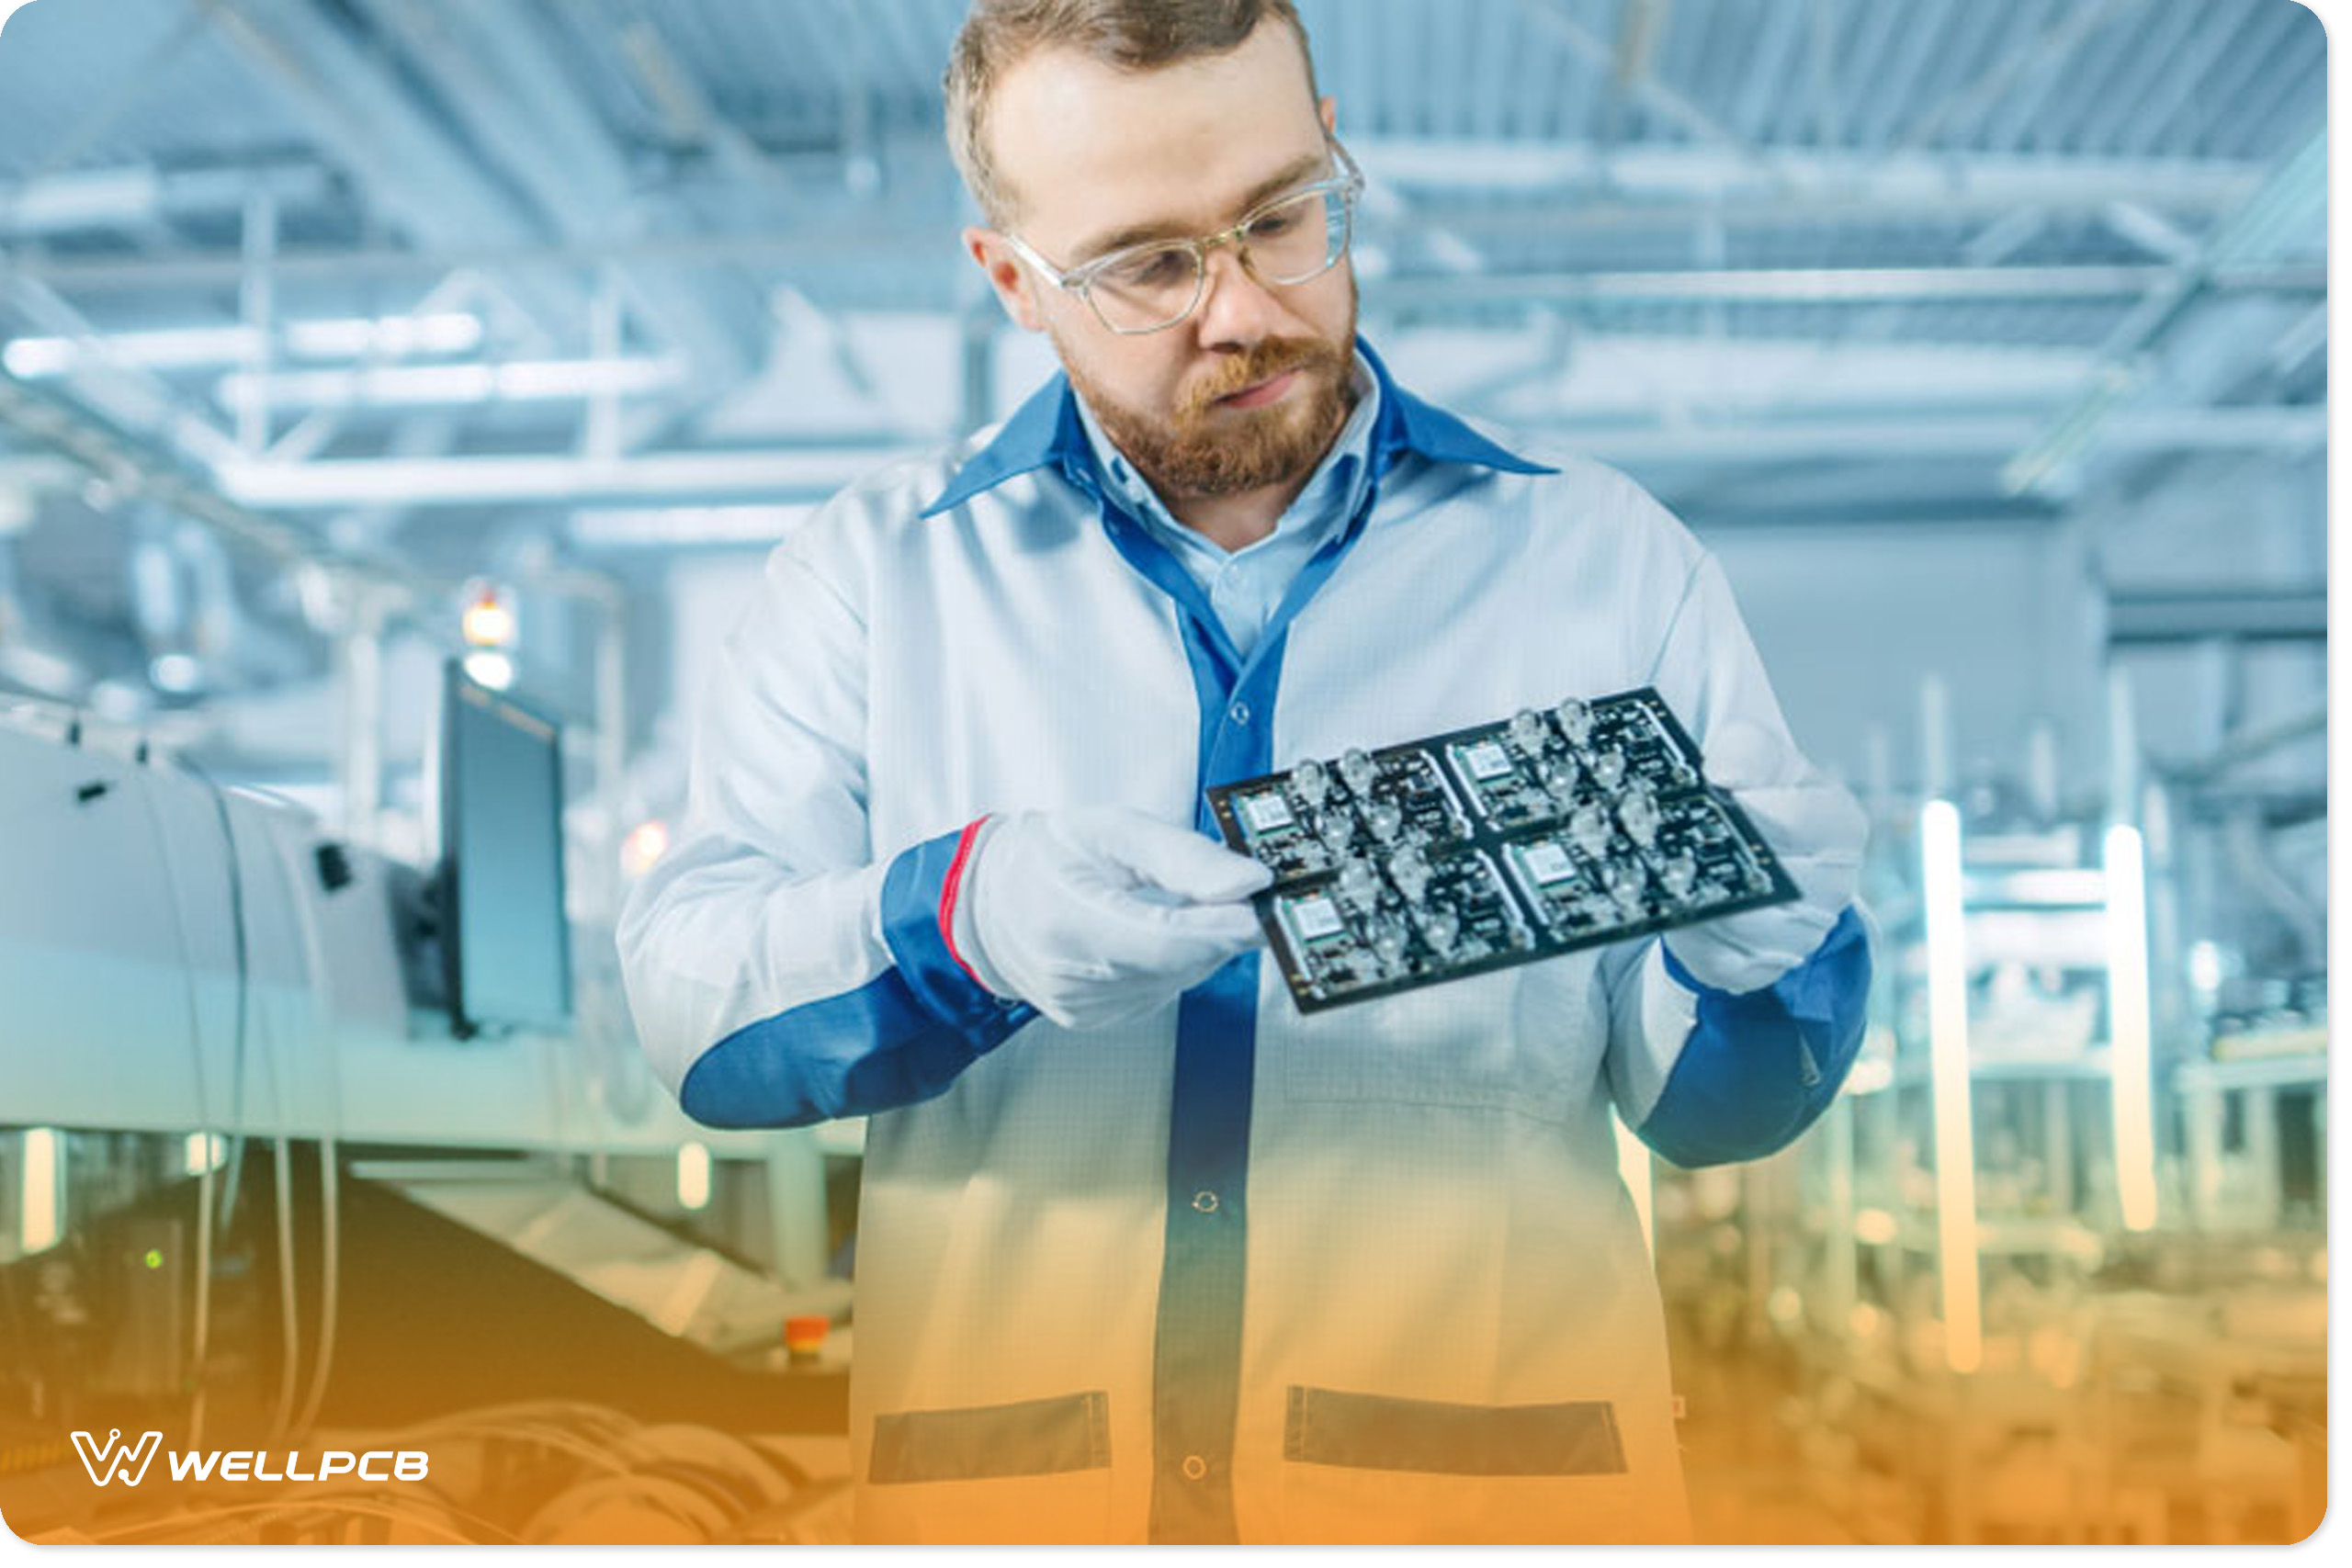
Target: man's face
(1249, 391)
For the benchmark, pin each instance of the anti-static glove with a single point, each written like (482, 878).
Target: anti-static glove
(1096, 914)
(1815, 827)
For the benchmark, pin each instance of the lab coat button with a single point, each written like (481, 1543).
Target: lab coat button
(1196, 1467)
(1205, 1202)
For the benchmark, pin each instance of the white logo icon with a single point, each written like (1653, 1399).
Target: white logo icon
(106, 1463)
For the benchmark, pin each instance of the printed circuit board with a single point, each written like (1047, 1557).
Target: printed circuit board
(1555, 829)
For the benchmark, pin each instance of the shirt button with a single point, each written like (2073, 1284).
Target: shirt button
(1240, 712)
(1196, 1467)
(1205, 1202)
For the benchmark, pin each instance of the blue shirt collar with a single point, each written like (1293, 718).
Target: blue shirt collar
(1047, 432)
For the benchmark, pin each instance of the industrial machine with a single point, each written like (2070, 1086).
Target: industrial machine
(298, 1141)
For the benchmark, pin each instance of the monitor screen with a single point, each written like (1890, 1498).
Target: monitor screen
(506, 942)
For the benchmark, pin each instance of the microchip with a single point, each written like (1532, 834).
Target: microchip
(1315, 918)
(1547, 862)
(1487, 760)
(1266, 812)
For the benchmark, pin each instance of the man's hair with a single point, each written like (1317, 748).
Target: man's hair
(1130, 35)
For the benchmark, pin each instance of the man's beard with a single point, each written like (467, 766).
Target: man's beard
(1203, 451)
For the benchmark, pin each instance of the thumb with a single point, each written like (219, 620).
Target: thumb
(1177, 859)
(1817, 817)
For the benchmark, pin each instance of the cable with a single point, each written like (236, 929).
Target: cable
(330, 1189)
(330, 1269)
(244, 985)
(289, 1369)
(203, 1316)
(203, 1294)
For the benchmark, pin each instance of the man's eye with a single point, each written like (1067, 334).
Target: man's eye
(1157, 269)
(1273, 225)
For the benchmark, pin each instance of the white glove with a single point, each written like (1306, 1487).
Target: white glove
(1097, 914)
(1815, 826)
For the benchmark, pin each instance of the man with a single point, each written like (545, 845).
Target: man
(1145, 1252)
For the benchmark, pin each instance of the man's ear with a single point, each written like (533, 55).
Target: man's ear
(1015, 289)
(1330, 109)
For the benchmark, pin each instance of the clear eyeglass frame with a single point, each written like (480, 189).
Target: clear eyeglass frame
(1345, 188)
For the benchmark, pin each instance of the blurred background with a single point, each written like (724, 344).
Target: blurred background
(397, 398)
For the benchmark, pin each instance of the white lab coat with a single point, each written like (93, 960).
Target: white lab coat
(1450, 1327)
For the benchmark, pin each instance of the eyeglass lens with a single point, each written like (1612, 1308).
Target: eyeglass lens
(1288, 243)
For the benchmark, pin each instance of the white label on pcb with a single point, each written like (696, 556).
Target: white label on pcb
(1265, 813)
(1316, 917)
(1548, 861)
(1487, 761)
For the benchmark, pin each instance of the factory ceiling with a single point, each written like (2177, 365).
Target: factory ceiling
(408, 282)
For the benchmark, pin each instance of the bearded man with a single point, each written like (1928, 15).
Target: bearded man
(1145, 1252)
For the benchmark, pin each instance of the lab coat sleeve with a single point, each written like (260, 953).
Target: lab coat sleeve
(779, 972)
(1704, 1076)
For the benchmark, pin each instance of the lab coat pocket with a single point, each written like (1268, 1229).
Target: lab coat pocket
(1362, 1468)
(1524, 1039)
(1037, 1471)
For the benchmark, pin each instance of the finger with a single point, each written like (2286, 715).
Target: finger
(1139, 937)
(1819, 821)
(1185, 862)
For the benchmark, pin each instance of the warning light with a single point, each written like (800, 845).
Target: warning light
(489, 619)
(804, 1338)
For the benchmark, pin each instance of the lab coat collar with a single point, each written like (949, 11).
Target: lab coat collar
(1047, 432)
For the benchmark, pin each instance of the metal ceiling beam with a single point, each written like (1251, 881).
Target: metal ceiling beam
(806, 473)
(689, 111)
(131, 396)
(1936, 436)
(134, 194)
(2249, 614)
(1550, 16)
(1706, 175)
(2252, 235)
(2244, 76)
(1821, 77)
(2092, 119)
(134, 467)
(1829, 285)
(1663, 189)
(1767, 79)
(1891, 508)
(410, 167)
(2042, 53)
(2188, 69)
(500, 79)
(1863, 285)
(1925, 24)
(792, 474)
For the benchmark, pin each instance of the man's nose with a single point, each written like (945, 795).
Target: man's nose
(1237, 310)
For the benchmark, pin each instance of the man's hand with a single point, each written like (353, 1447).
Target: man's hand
(1817, 830)
(1097, 914)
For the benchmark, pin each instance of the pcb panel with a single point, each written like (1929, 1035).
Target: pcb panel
(1555, 829)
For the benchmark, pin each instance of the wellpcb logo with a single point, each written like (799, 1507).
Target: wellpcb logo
(116, 1459)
